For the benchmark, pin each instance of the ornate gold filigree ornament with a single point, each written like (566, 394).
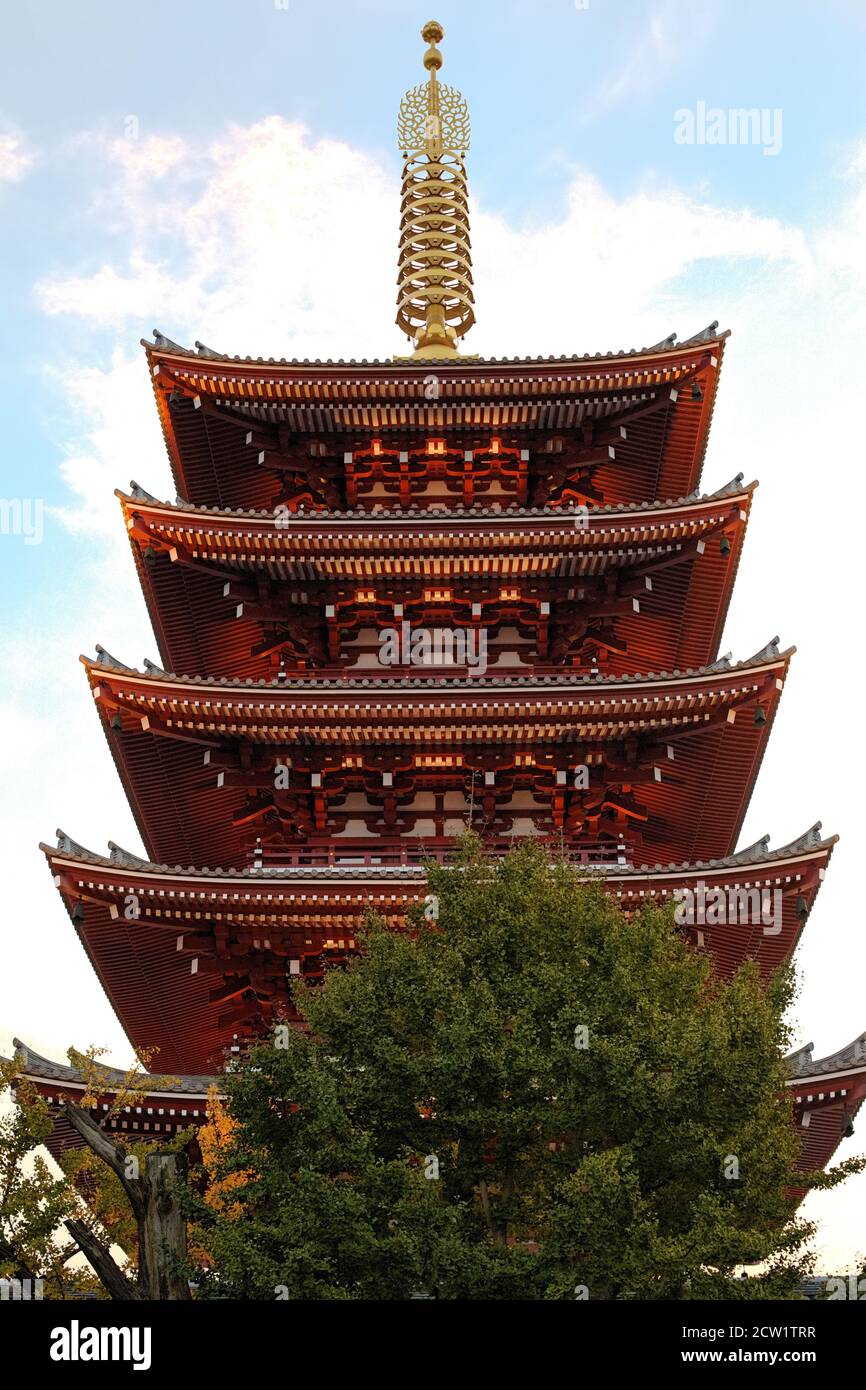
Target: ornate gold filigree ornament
(435, 304)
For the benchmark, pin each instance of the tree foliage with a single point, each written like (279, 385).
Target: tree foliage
(90, 1201)
(528, 1097)
(33, 1202)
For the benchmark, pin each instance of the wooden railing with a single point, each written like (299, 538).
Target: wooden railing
(375, 853)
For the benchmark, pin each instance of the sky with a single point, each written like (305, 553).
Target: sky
(229, 173)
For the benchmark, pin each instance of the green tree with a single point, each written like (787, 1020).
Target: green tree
(109, 1193)
(528, 1096)
(33, 1202)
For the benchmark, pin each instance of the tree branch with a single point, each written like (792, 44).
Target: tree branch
(109, 1273)
(102, 1146)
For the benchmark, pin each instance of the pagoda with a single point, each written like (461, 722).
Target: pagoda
(393, 599)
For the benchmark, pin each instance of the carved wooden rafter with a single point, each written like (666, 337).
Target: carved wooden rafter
(314, 801)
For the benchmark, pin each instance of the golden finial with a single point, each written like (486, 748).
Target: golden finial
(434, 298)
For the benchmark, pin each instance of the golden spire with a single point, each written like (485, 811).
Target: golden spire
(434, 297)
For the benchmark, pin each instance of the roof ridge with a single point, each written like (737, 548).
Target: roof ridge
(113, 1076)
(119, 858)
(849, 1056)
(161, 343)
(324, 683)
(456, 512)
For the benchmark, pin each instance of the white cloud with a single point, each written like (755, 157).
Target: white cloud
(119, 438)
(15, 158)
(108, 298)
(270, 242)
(303, 231)
(151, 157)
(596, 279)
(840, 245)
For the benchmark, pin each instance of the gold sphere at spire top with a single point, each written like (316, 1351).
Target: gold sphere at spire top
(432, 33)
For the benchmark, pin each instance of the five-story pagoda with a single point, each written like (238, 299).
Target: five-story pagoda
(393, 599)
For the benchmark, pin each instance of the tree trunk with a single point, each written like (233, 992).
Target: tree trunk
(162, 1231)
(161, 1227)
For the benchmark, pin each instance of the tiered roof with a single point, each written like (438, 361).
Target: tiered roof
(659, 574)
(177, 969)
(173, 1104)
(192, 752)
(228, 421)
(827, 1095)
